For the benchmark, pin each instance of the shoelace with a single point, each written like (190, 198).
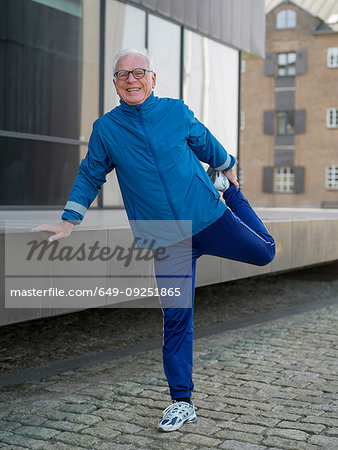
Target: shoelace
(175, 407)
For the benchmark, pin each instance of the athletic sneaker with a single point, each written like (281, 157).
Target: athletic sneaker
(219, 180)
(175, 415)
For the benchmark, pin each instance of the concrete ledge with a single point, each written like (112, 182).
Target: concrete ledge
(300, 243)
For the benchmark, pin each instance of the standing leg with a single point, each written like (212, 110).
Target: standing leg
(178, 272)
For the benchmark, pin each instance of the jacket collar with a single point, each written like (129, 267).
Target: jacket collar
(146, 106)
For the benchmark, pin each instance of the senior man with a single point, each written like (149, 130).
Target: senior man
(156, 145)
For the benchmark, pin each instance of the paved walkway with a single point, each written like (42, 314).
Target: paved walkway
(266, 386)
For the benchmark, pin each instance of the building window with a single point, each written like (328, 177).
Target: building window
(286, 64)
(285, 122)
(242, 121)
(332, 57)
(284, 179)
(332, 177)
(286, 19)
(332, 118)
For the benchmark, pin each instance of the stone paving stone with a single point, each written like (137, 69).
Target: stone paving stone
(78, 409)
(236, 445)
(258, 420)
(219, 415)
(5, 433)
(177, 446)
(332, 432)
(59, 446)
(64, 425)
(77, 439)
(325, 442)
(37, 432)
(9, 426)
(240, 436)
(288, 433)
(23, 441)
(201, 440)
(288, 444)
(102, 430)
(139, 441)
(242, 427)
(85, 419)
(113, 446)
(26, 419)
(205, 426)
(123, 427)
(308, 427)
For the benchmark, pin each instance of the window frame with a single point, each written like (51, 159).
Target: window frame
(288, 64)
(288, 182)
(332, 118)
(332, 57)
(287, 114)
(331, 177)
(288, 17)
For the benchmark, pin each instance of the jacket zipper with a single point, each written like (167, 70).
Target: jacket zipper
(156, 164)
(171, 205)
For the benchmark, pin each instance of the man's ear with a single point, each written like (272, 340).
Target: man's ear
(153, 80)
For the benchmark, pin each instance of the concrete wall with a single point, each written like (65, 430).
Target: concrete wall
(300, 243)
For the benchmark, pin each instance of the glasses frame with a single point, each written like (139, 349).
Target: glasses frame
(116, 74)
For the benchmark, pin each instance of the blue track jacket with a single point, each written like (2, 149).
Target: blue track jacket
(156, 149)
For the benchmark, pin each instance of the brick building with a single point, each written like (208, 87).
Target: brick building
(289, 108)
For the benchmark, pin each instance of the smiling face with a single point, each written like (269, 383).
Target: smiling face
(133, 91)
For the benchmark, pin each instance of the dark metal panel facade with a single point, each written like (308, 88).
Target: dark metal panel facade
(268, 179)
(269, 64)
(285, 100)
(299, 180)
(300, 121)
(300, 62)
(237, 23)
(284, 157)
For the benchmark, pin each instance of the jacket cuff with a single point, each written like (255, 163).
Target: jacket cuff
(227, 165)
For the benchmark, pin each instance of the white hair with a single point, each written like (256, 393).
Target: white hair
(132, 51)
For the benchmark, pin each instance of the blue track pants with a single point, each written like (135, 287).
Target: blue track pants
(238, 235)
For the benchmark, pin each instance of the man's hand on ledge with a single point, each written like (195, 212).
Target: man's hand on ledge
(60, 230)
(232, 177)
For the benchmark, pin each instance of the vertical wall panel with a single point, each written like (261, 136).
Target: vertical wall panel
(242, 22)
(269, 122)
(284, 100)
(300, 121)
(177, 9)
(164, 7)
(299, 180)
(268, 179)
(215, 19)
(269, 64)
(300, 62)
(226, 12)
(203, 9)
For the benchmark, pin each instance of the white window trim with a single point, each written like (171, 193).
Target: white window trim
(287, 185)
(331, 179)
(334, 122)
(332, 53)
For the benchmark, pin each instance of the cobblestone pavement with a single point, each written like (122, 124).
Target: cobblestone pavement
(39, 342)
(266, 386)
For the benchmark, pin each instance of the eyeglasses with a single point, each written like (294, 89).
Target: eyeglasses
(138, 73)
